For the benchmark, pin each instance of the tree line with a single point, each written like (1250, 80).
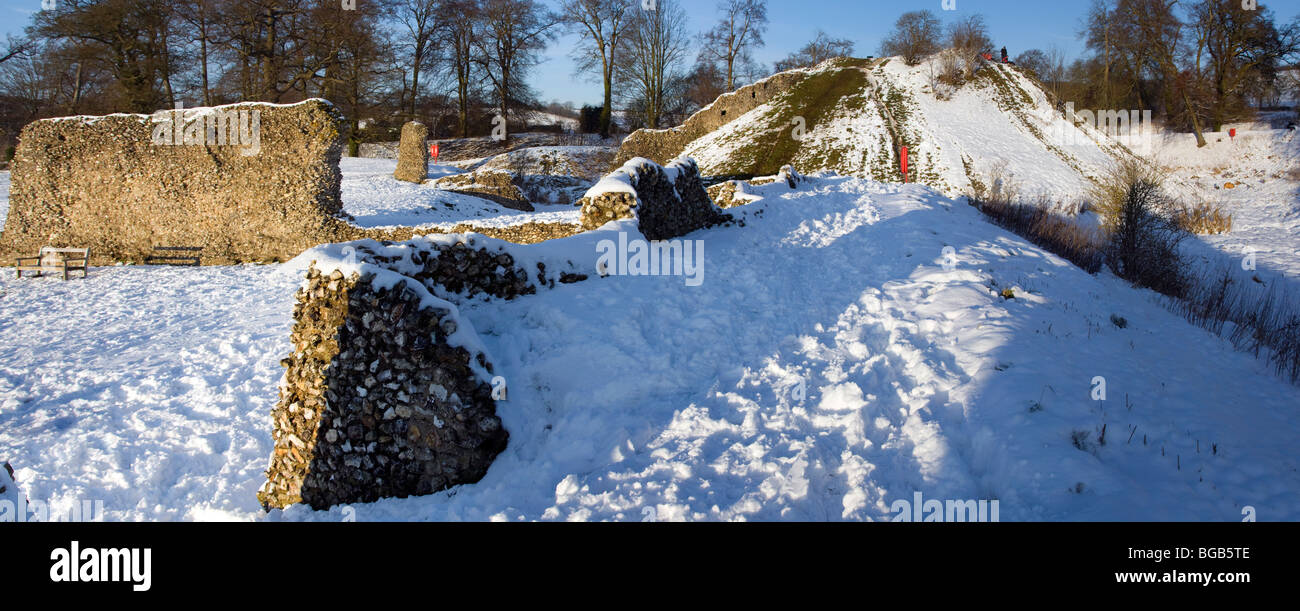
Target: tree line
(454, 64)
(458, 64)
(1195, 64)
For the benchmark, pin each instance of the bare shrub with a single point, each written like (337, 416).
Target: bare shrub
(970, 36)
(1002, 185)
(1141, 243)
(915, 37)
(1056, 233)
(953, 69)
(1255, 318)
(1144, 243)
(1039, 222)
(1109, 192)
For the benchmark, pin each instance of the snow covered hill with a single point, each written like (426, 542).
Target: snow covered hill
(836, 359)
(850, 116)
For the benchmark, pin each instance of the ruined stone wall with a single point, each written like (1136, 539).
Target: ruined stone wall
(247, 182)
(666, 201)
(385, 393)
(378, 150)
(663, 145)
(731, 193)
(496, 186)
(123, 184)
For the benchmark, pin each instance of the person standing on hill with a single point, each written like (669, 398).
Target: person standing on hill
(1004, 55)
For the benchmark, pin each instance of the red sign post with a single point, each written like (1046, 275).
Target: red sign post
(1232, 134)
(903, 158)
(433, 151)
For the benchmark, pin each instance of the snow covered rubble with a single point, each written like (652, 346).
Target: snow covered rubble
(667, 201)
(830, 365)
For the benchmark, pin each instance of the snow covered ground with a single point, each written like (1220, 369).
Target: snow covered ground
(1264, 169)
(374, 199)
(829, 364)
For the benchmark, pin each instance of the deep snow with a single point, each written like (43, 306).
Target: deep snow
(643, 398)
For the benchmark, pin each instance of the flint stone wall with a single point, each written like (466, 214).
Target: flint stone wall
(731, 193)
(667, 202)
(662, 145)
(378, 150)
(386, 394)
(264, 189)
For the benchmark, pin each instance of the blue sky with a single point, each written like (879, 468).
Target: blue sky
(1018, 24)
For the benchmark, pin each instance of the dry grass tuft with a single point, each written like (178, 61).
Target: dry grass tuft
(1205, 218)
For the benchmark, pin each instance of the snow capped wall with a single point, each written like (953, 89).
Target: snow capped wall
(664, 144)
(666, 201)
(389, 391)
(247, 182)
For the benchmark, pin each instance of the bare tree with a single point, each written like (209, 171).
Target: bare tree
(601, 25)
(357, 79)
(1035, 62)
(656, 46)
(1161, 34)
(419, 22)
(1101, 33)
(127, 34)
(732, 41)
(1056, 70)
(821, 48)
(970, 36)
(1242, 47)
(16, 48)
(461, 26)
(705, 83)
(514, 33)
(915, 37)
(199, 17)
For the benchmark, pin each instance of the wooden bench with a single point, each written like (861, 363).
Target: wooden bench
(51, 259)
(175, 255)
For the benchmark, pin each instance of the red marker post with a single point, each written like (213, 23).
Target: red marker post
(903, 158)
(1232, 134)
(433, 152)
